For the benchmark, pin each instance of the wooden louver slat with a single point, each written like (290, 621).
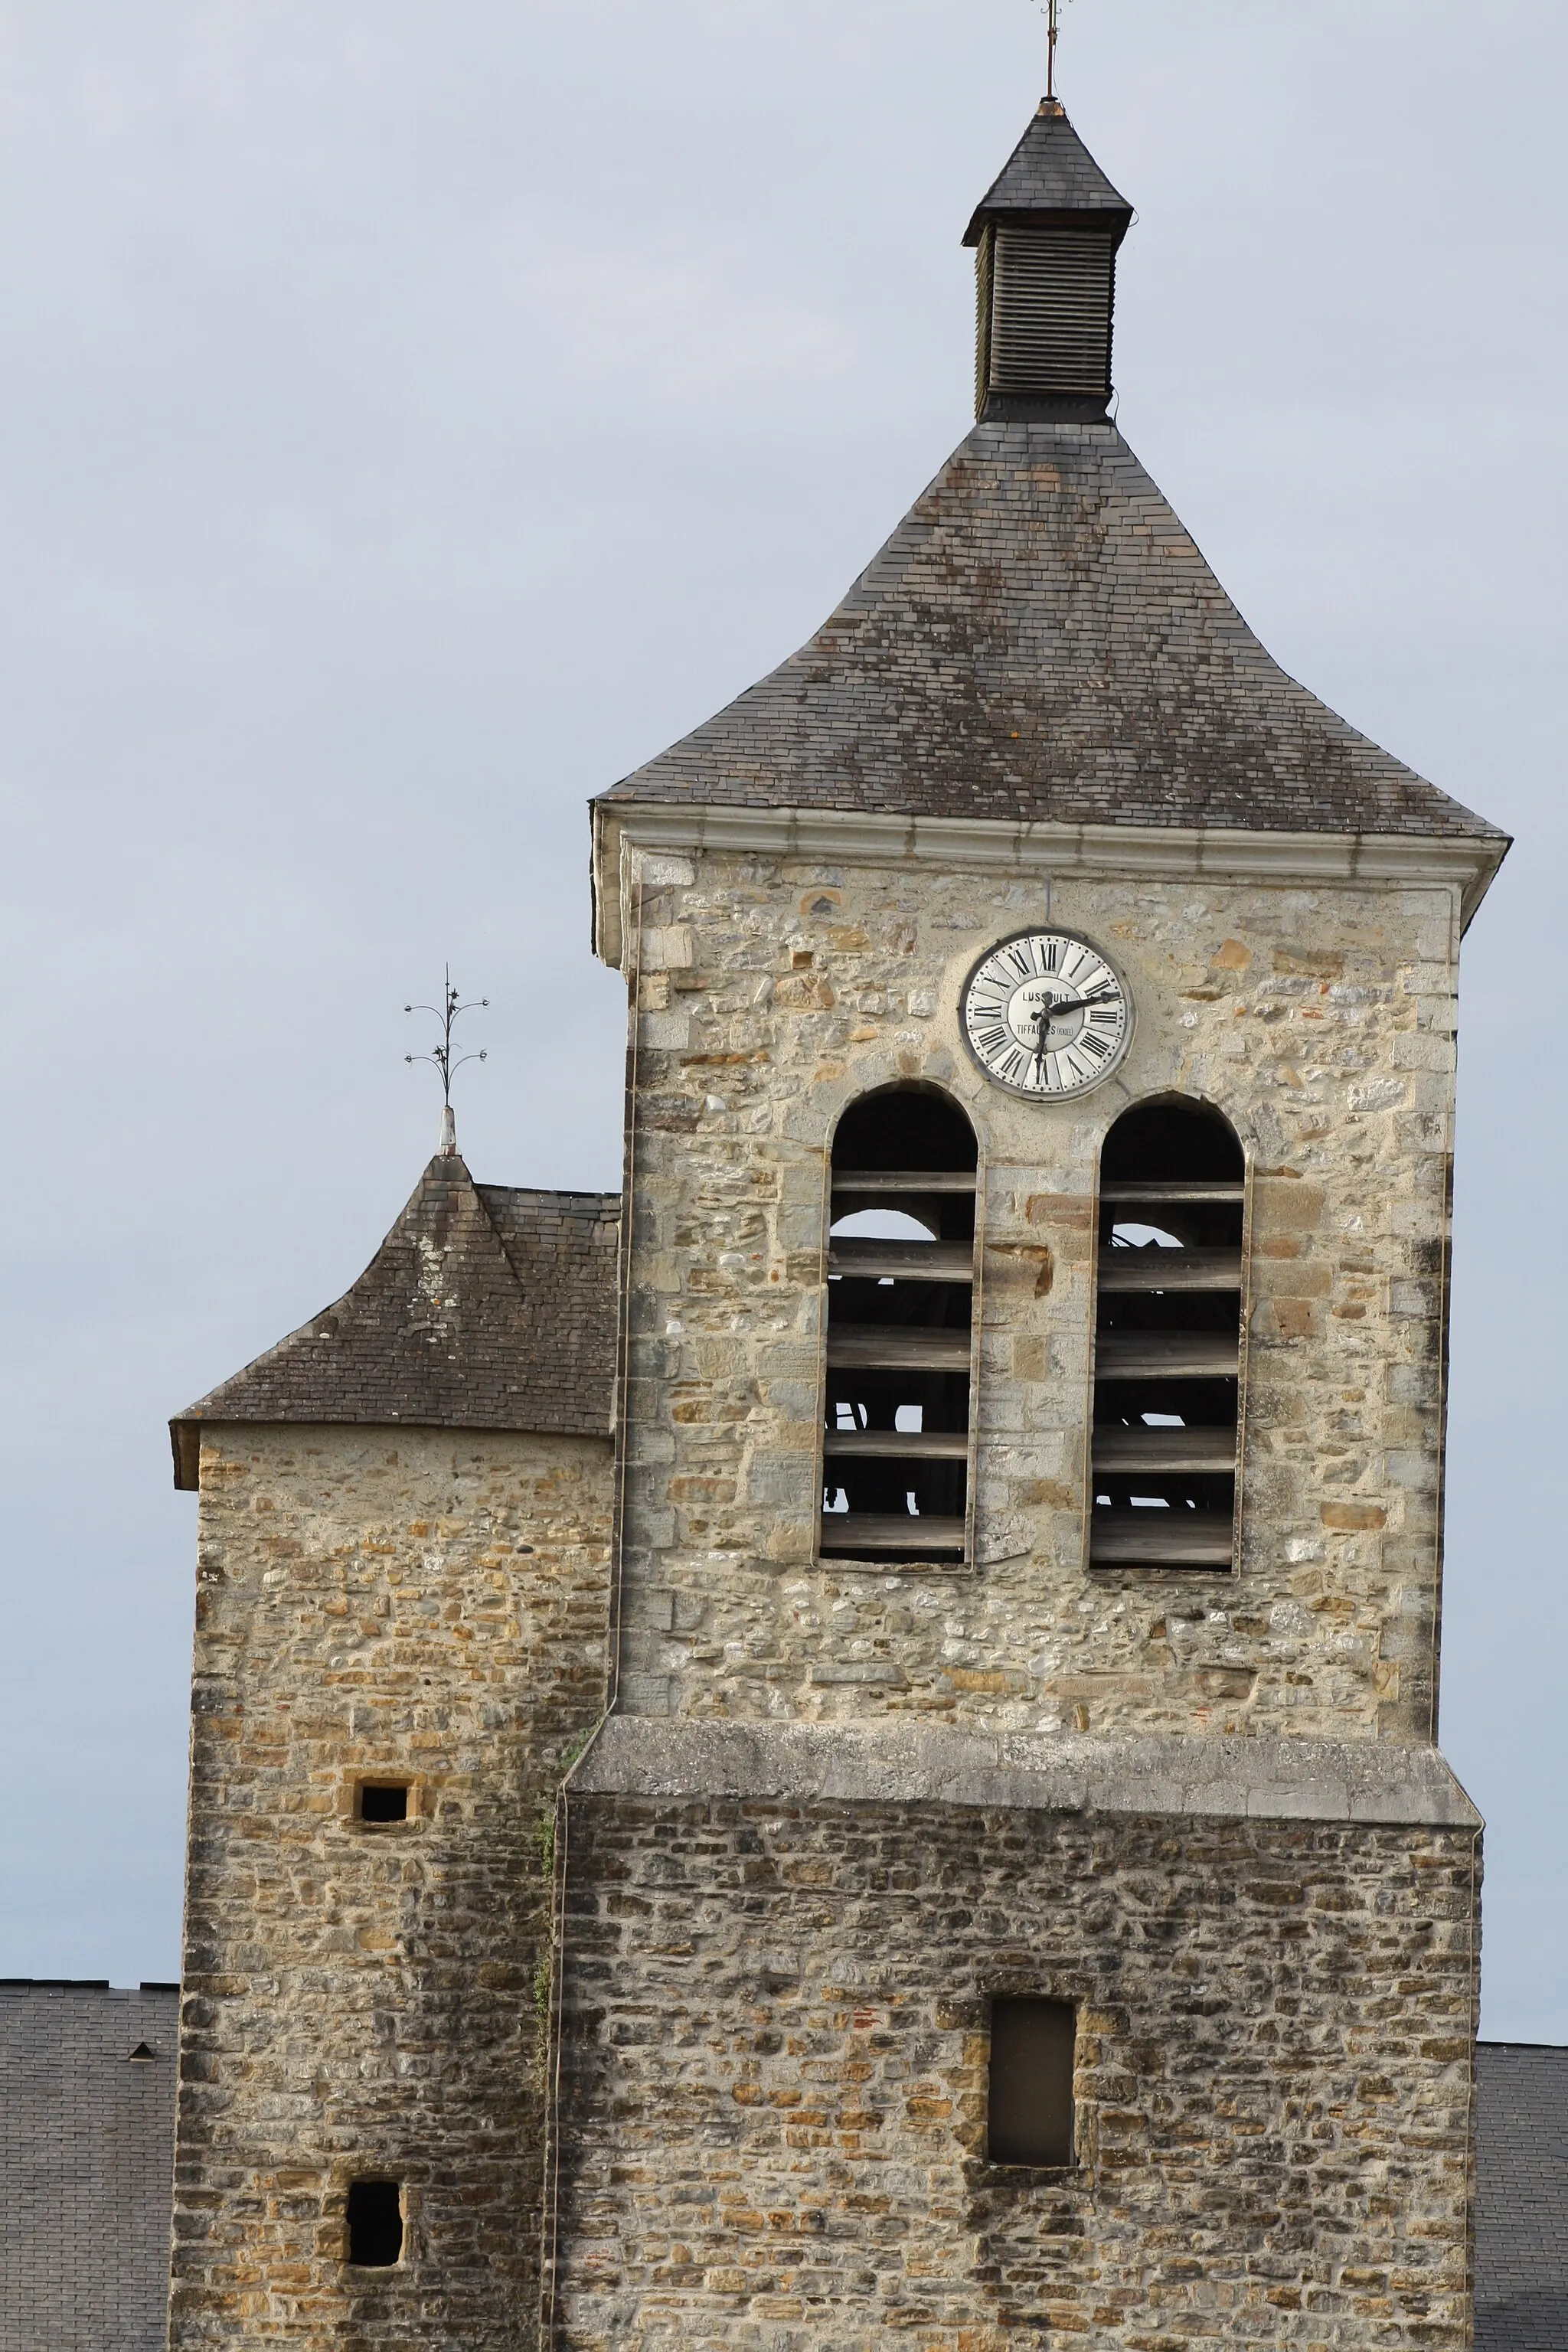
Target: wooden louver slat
(1170, 1269)
(1167, 1450)
(891, 1534)
(897, 1347)
(1167, 1355)
(1143, 1539)
(897, 1444)
(1125, 1195)
(904, 1180)
(906, 1261)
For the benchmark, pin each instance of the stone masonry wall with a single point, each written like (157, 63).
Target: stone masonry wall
(770, 993)
(775, 2064)
(359, 1999)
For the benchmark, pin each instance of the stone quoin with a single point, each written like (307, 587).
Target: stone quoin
(931, 1551)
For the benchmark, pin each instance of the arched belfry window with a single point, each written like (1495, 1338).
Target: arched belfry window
(1167, 1340)
(896, 1445)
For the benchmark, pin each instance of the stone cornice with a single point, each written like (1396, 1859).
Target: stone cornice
(1370, 1781)
(1174, 853)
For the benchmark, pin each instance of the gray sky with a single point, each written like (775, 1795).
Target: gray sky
(412, 417)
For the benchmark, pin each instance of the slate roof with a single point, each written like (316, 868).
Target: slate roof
(87, 2157)
(1050, 171)
(1521, 2197)
(485, 1307)
(1040, 639)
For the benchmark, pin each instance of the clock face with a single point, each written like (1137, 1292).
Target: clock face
(1045, 1014)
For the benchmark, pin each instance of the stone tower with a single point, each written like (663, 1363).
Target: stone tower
(938, 1837)
(1016, 1898)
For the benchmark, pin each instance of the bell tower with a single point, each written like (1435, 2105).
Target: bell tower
(1017, 1896)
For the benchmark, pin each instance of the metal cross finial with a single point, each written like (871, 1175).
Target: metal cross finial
(444, 1056)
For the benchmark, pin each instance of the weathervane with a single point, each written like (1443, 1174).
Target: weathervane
(446, 1059)
(1053, 26)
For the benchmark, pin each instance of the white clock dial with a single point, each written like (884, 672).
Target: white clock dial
(1046, 1015)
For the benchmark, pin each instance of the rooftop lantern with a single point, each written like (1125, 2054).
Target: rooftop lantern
(1046, 239)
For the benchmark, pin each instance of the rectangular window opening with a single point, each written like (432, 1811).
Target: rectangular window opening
(1030, 2115)
(383, 1800)
(375, 2224)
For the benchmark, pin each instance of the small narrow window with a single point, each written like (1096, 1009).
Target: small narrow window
(1168, 1341)
(901, 1262)
(1030, 2118)
(375, 2224)
(383, 1800)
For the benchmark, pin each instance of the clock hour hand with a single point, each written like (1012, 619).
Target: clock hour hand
(1048, 1013)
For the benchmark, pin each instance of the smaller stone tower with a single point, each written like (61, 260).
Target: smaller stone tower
(403, 1557)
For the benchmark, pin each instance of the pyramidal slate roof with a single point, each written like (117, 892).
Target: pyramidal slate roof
(485, 1307)
(1049, 171)
(1041, 640)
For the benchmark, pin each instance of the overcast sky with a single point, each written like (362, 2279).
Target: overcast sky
(412, 417)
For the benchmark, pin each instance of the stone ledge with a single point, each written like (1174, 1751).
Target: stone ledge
(1262, 1780)
(1176, 853)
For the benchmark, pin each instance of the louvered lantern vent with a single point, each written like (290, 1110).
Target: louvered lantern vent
(1046, 297)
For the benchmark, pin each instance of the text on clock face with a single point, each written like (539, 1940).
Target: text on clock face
(1046, 1013)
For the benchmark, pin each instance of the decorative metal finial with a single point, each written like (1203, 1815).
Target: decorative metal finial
(1053, 26)
(443, 1055)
